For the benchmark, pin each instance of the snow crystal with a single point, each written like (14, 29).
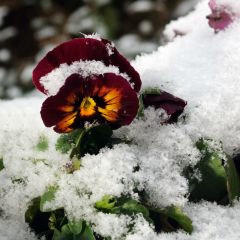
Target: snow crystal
(187, 24)
(12, 229)
(110, 47)
(93, 36)
(202, 68)
(54, 80)
(233, 5)
(210, 221)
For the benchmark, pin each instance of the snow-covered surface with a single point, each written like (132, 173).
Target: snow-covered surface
(200, 67)
(203, 68)
(85, 68)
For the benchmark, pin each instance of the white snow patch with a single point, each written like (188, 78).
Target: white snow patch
(201, 67)
(54, 80)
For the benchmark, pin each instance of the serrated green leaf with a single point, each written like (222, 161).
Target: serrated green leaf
(67, 141)
(233, 180)
(1, 164)
(213, 183)
(48, 196)
(42, 144)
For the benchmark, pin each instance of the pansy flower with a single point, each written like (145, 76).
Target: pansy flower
(106, 98)
(86, 56)
(172, 105)
(87, 81)
(222, 15)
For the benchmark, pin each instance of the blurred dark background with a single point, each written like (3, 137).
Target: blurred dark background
(30, 28)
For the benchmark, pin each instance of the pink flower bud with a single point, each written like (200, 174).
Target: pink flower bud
(221, 17)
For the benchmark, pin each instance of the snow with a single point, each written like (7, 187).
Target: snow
(233, 5)
(201, 68)
(194, 70)
(84, 68)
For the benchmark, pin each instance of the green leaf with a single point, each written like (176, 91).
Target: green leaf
(107, 203)
(32, 210)
(74, 231)
(76, 227)
(130, 207)
(42, 144)
(141, 107)
(183, 220)
(170, 219)
(92, 140)
(1, 164)
(65, 234)
(37, 220)
(87, 234)
(48, 196)
(150, 90)
(66, 141)
(233, 180)
(213, 183)
(66, 229)
(123, 205)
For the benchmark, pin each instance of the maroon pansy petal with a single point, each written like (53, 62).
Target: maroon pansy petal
(129, 99)
(57, 107)
(124, 66)
(68, 52)
(173, 106)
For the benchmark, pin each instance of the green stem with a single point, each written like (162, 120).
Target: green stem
(75, 150)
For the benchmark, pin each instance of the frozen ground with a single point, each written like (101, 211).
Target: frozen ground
(202, 68)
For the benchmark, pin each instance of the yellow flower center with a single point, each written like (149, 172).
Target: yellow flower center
(87, 107)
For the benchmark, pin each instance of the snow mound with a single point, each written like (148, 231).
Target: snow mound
(200, 67)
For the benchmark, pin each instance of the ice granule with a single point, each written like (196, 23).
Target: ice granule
(202, 68)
